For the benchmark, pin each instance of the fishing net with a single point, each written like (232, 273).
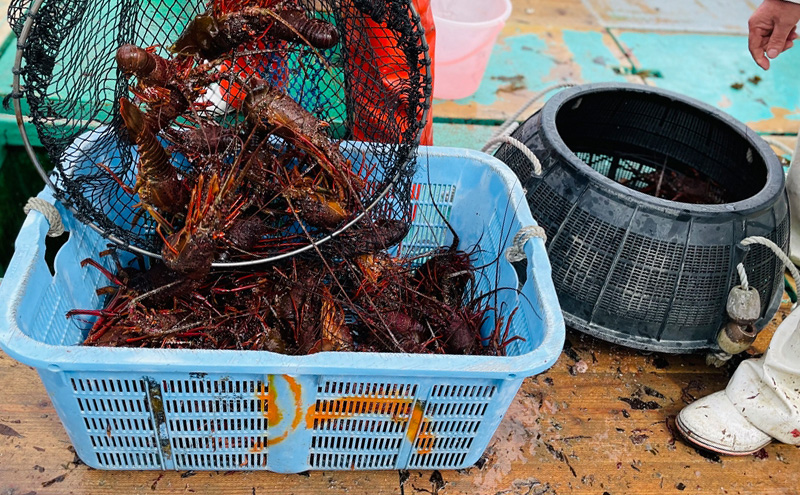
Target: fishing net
(232, 129)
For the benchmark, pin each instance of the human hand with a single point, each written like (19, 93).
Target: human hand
(773, 29)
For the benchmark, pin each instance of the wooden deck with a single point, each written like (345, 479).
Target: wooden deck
(600, 421)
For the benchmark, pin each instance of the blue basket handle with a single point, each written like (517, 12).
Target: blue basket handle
(27, 273)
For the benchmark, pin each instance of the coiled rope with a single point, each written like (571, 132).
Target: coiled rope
(50, 213)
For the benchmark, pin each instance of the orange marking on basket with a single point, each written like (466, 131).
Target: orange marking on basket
(416, 190)
(399, 408)
(269, 410)
(267, 398)
(419, 428)
(258, 447)
(261, 444)
(348, 407)
(273, 441)
(273, 414)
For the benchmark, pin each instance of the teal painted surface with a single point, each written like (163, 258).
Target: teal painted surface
(593, 58)
(462, 136)
(524, 56)
(10, 134)
(534, 59)
(706, 66)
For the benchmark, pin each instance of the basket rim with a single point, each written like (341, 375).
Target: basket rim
(767, 195)
(57, 358)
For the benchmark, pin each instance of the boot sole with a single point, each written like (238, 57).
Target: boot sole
(694, 439)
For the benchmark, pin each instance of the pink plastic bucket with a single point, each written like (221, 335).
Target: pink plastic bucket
(466, 31)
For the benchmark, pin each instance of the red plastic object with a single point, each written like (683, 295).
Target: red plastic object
(392, 71)
(370, 116)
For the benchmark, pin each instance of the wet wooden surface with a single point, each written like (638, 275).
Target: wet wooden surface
(600, 421)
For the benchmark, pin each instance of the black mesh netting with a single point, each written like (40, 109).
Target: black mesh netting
(250, 125)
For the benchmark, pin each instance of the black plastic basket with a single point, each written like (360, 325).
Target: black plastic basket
(634, 268)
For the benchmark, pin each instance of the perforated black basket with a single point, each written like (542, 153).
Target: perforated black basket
(630, 266)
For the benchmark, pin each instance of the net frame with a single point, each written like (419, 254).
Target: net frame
(29, 10)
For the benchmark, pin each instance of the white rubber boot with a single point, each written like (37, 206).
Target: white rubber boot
(713, 423)
(760, 403)
(793, 190)
(766, 391)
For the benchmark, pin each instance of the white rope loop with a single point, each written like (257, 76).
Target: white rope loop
(749, 241)
(50, 213)
(519, 145)
(517, 250)
(779, 145)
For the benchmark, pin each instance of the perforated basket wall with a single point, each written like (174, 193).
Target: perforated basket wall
(228, 410)
(374, 86)
(631, 268)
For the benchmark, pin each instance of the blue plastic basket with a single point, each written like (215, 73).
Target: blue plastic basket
(235, 410)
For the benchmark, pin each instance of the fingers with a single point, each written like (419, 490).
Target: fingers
(781, 33)
(762, 43)
(790, 40)
(756, 43)
(772, 29)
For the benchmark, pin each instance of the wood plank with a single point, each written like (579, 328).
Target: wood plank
(714, 16)
(572, 14)
(566, 432)
(5, 28)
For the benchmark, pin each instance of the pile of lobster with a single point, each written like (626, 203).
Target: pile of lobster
(371, 302)
(261, 163)
(260, 174)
